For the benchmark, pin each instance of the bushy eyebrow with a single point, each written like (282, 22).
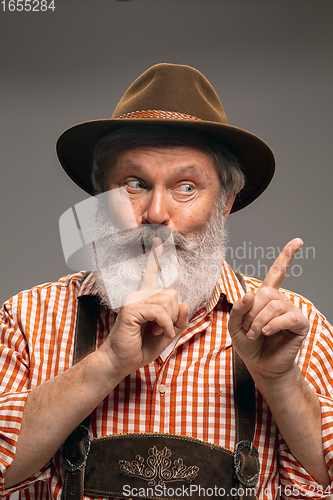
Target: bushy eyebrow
(188, 169)
(183, 170)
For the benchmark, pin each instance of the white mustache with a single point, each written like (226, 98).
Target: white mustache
(190, 263)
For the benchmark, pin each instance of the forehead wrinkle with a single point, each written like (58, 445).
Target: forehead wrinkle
(178, 169)
(121, 165)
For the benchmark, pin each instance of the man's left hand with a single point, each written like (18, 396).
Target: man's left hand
(267, 330)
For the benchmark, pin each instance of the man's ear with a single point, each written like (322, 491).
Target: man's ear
(228, 205)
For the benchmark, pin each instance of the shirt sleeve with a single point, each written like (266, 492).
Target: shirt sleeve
(15, 387)
(316, 362)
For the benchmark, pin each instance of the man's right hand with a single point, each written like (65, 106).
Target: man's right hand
(147, 322)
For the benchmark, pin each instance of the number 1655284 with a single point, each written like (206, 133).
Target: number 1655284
(27, 5)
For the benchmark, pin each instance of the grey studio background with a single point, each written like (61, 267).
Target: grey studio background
(270, 61)
(271, 64)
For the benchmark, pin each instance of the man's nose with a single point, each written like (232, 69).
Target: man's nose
(156, 209)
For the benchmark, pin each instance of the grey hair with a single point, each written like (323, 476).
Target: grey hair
(110, 146)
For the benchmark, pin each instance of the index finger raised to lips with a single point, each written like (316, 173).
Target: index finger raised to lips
(279, 269)
(150, 272)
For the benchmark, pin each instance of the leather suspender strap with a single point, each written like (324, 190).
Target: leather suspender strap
(244, 389)
(77, 445)
(86, 327)
(246, 457)
(245, 407)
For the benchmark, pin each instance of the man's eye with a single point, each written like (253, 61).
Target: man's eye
(135, 184)
(186, 188)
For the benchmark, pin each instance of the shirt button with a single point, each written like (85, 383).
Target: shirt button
(162, 388)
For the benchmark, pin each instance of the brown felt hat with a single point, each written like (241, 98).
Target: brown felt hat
(173, 95)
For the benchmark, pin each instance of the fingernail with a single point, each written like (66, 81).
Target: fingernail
(250, 334)
(266, 329)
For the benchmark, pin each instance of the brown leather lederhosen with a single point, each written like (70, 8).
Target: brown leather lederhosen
(159, 464)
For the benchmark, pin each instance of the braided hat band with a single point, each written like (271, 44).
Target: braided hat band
(158, 114)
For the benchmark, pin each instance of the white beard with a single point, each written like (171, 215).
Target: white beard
(190, 263)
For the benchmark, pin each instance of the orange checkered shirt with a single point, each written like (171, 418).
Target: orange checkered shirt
(188, 390)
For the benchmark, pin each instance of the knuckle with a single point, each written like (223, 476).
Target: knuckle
(173, 293)
(169, 301)
(237, 307)
(276, 307)
(296, 319)
(256, 325)
(265, 292)
(249, 316)
(169, 294)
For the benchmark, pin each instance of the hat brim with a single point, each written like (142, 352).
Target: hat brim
(76, 145)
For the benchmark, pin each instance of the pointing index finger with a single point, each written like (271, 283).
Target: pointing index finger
(279, 269)
(152, 267)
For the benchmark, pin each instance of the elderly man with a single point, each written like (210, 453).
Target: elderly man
(201, 383)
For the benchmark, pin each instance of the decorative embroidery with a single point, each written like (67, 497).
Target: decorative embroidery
(158, 470)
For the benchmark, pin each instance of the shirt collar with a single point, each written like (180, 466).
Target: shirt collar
(88, 285)
(228, 285)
